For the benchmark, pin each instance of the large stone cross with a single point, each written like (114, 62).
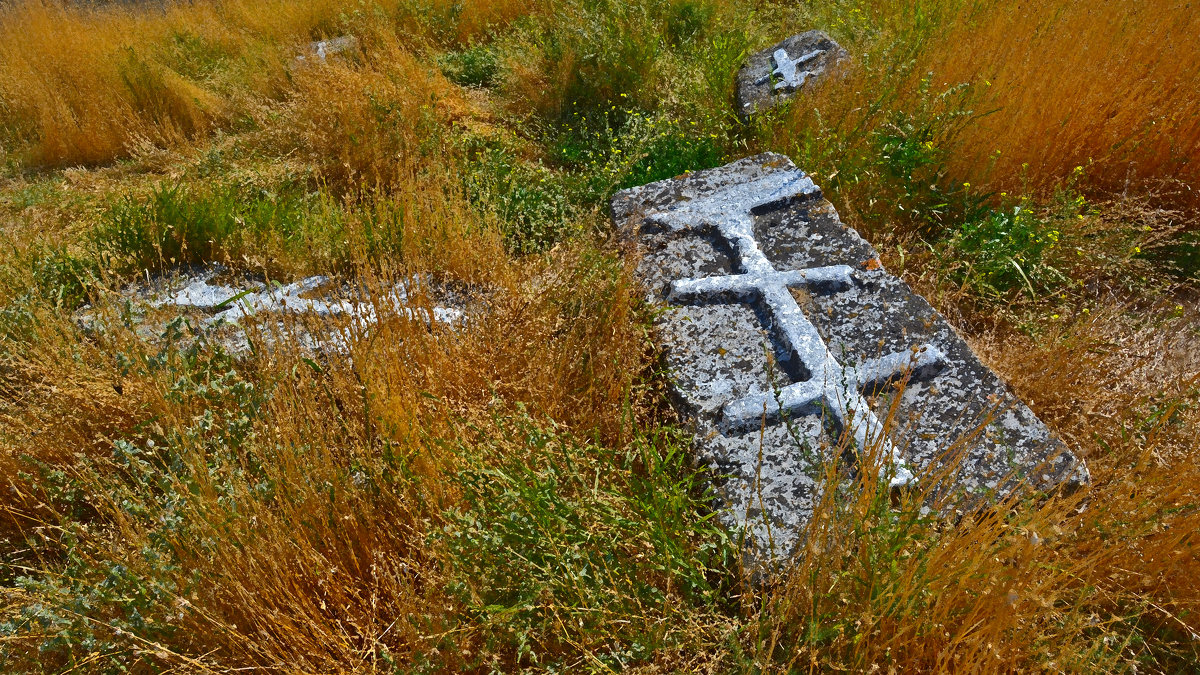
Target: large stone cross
(722, 251)
(790, 77)
(730, 212)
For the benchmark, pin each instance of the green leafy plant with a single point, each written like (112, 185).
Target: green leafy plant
(64, 279)
(536, 206)
(1015, 245)
(1007, 249)
(687, 20)
(178, 223)
(477, 66)
(670, 155)
(567, 543)
(1181, 255)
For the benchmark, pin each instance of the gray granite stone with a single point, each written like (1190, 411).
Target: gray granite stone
(788, 342)
(775, 74)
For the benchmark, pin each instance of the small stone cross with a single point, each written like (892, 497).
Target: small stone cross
(730, 212)
(788, 71)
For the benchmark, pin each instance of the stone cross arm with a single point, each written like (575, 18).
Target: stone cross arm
(765, 192)
(742, 286)
(869, 376)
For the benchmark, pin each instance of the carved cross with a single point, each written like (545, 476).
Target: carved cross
(232, 305)
(730, 212)
(790, 77)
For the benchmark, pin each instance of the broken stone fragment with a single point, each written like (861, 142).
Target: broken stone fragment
(786, 337)
(773, 75)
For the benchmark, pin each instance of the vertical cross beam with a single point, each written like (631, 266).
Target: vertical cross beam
(730, 213)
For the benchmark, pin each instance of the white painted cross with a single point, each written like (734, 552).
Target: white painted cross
(232, 305)
(730, 211)
(788, 71)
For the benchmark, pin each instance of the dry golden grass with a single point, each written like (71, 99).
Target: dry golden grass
(1052, 85)
(86, 86)
(43, 388)
(1121, 386)
(321, 579)
(327, 578)
(359, 124)
(1109, 86)
(311, 530)
(475, 19)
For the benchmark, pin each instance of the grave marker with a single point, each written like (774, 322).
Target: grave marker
(220, 301)
(780, 315)
(773, 75)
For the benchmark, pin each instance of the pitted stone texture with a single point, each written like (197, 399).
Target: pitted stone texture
(717, 247)
(775, 74)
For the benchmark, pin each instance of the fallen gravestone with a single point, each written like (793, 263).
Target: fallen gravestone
(773, 75)
(783, 332)
(220, 301)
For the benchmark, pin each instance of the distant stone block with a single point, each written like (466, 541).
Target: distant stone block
(777, 316)
(773, 75)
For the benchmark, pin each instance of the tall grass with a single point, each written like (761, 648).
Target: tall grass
(88, 85)
(83, 87)
(513, 494)
(371, 124)
(398, 508)
(1107, 86)
(1011, 96)
(291, 522)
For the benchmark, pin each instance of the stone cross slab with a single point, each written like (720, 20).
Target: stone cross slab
(222, 301)
(729, 212)
(772, 75)
(748, 260)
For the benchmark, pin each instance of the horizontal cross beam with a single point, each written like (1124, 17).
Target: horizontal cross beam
(832, 278)
(748, 411)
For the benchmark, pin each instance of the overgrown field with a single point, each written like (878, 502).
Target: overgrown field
(517, 495)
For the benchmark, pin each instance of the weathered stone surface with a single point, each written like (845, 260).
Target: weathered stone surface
(220, 301)
(775, 74)
(780, 313)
